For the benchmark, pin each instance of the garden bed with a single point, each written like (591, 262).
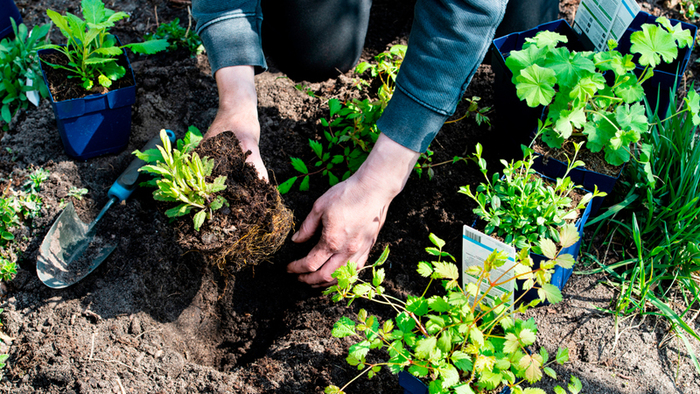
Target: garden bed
(156, 319)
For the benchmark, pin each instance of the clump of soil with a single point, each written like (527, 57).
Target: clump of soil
(253, 226)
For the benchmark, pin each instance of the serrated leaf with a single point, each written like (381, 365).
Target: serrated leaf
(449, 374)
(535, 85)
(562, 355)
(559, 390)
(527, 337)
(569, 67)
(653, 43)
(462, 361)
(550, 292)
(550, 372)
(548, 248)
(565, 261)
(424, 347)
(344, 327)
(438, 304)
(511, 344)
(568, 235)
(575, 385)
(417, 305)
(632, 117)
(285, 186)
(446, 270)
(424, 269)
(299, 165)
(534, 390)
(304, 185)
(531, 364)
(436, 241)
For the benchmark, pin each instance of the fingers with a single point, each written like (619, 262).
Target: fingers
(308, 226)
(317, 268)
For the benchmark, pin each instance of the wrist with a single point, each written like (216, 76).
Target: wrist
(388, 166)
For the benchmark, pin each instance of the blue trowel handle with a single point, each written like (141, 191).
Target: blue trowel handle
(128, 180)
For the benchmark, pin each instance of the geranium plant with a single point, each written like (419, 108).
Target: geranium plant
(180, 177)
(523, 208)
(92, 52)
(462, 341)
(575, 89)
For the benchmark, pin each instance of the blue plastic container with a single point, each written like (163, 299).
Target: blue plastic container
(8, 10)
(666, 74)
(94, 125)
(413, 385)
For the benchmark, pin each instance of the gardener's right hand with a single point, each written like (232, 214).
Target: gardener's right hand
(238, 112)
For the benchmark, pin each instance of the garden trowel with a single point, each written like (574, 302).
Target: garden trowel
(71, 249)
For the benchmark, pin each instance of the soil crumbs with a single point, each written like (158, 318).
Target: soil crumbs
(154, 318)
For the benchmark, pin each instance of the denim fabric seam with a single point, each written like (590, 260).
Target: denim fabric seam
(227, 17)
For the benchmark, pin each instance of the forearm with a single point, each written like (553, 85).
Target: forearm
(448, 42)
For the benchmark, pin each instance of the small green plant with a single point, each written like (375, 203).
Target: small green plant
(688, 8)
(523, 208)
(177, 37)
(92, 52)
(20, 70)
(3, 357)
(180, 177)
(579, 100)
(77, 192)
(461, 342)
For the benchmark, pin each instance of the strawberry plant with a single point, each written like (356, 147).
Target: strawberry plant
(462, 341)
(523, 208)
(574, 87)
(92, 52)
(180, 177)
(20, 70)
(177, 37)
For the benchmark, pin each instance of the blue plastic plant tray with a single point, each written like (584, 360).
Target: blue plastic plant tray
(413, 385)
(94, 125)
(8, 10)
(666, 75)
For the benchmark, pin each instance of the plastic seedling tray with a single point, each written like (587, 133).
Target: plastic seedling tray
(94, 125)
(8, 10)
(413, 385)
(666, 75)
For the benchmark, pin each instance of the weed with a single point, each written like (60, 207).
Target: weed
(177, 37)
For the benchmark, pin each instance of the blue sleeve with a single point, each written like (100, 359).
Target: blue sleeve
(448, 41)
(230, 32)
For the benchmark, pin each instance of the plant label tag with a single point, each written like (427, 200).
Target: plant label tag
(476, 248)
(602, 20)
(33, 95)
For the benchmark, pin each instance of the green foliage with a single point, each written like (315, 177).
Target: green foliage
(461, 342)
(19, 71)
(91, 51)
(17, 208)
(177, 37)
(523, 208)
(180, 177)
(77, 192)
(689, 8)
(579, 100)
(660, 216)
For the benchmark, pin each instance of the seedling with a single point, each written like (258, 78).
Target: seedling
(464, 341)
(579, 101)
(91, 51)
(177, 37)
(180, 177)
(77, 193)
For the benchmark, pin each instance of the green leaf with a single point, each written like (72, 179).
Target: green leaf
(285, 186)
(449, 374)
(630, 90)
(304, 186)
(549, 249)
(550, 292)
(550, 372)
(93, 10)
(109, 51)
(436, 241)
(565, 261)
(536, 85)
(344, 327)
(568, 120)
(559, 390)
(359, 350)
(424, 347)
(575, 385)
(462, 361)
(653, 43)
(317, 148)
(463, 389)
(534, 390)
(148, 47)
(446, 270)
(405, 322)
(562, 355)
(512, 344)
(632, 118)
(417, 305)
(568, 235)
(527, 337)
(547, 39)
(199, 219)
(530, 364)
(568, 67)
(59, 20)
(299, 165)
(520, 60)
(424, 269)
(587, 87)
(438, 304)
(6, 115)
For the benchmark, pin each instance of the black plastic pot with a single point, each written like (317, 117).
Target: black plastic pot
(523, 15)
(94, 125)
(8, 10)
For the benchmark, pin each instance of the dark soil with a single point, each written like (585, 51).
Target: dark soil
(255, 222)
(154, 318)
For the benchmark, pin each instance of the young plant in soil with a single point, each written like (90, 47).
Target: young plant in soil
(463, 341)
(92, 52)
(521, 207)
(240, 220)
(20, 71)
(579, 100)
(181, 178)
(177, 37)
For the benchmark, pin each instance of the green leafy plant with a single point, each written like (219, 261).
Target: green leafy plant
(688, 8)
(660, 216)
(92, 52)
(180, 177)
(464, 341)
(77, 192)
(579, 101)
(523, 208)
(177, 37)
(20, 70)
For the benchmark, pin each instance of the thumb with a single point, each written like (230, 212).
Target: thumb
(307, 228)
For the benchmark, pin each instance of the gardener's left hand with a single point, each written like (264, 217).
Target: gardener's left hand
(352, 212)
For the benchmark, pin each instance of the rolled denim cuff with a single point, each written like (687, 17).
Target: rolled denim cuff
(233, 41)
(415, 131)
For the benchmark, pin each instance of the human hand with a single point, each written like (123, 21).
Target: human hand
(238, 112)
(352, 212)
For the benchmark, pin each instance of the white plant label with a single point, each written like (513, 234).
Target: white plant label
(602, 20)
(476, 247)
(33, 95)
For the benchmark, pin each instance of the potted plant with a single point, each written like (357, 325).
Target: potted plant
(91, 82)
(526, 210)
(19, 65)
(8, 11)
(216, 201)
(593, 97)
(457, 341)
